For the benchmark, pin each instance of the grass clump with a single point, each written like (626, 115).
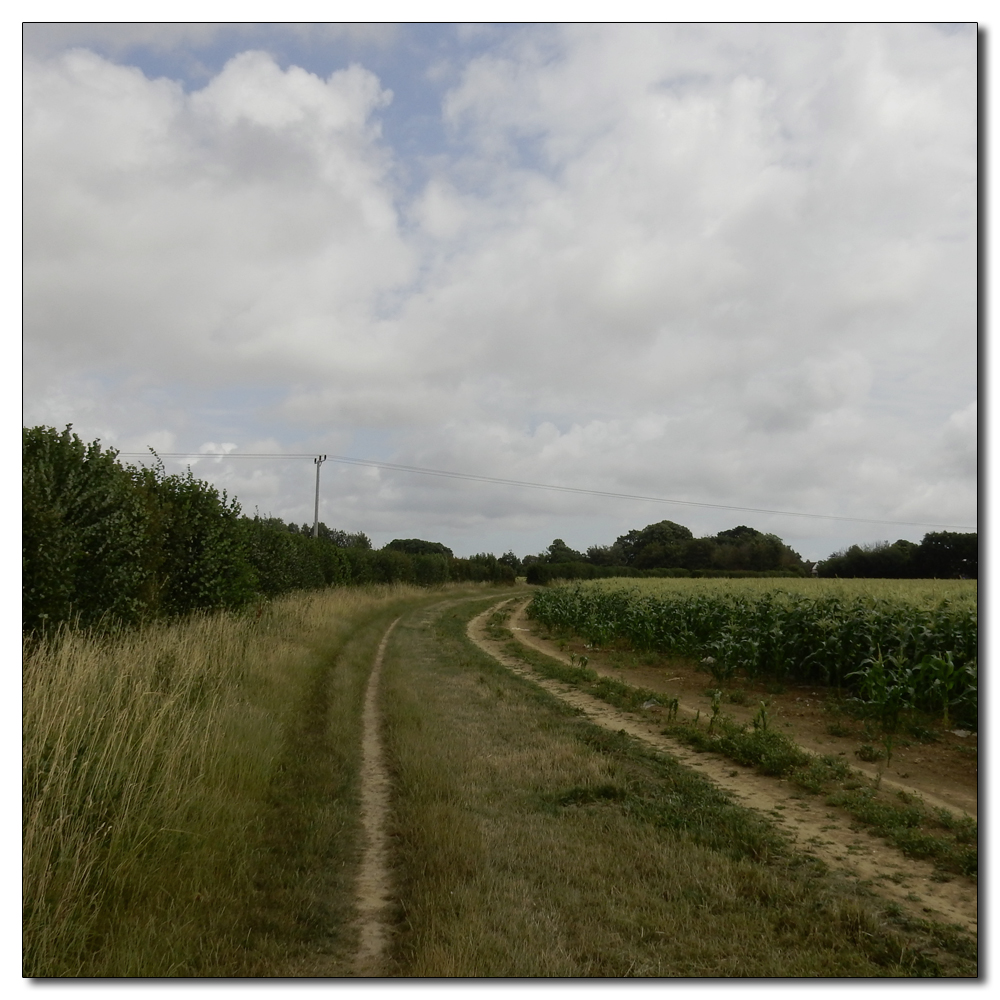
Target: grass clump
(911, 828)
(769, 751)
(870, 753)
(839, 728)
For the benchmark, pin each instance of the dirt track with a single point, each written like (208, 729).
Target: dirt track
(374, 884)
(815, 827)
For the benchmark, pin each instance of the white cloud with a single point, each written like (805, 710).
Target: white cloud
(242, 230)
(727, 263)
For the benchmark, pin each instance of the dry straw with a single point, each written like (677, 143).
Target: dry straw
(148, 761)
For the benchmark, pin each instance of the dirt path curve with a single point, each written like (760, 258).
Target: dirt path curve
(374, 884)
(814, 827)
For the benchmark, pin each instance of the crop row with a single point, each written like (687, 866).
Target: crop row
(926, 657)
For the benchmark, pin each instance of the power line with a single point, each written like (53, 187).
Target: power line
(417, 470)
(211, 454)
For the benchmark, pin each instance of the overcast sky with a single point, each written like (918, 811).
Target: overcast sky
(733, 265)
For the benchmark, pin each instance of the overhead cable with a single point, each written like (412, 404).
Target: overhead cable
(417, 470)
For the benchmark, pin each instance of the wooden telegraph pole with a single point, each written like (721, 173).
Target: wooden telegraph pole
(318, 461)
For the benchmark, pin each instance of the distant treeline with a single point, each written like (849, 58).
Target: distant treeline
(942, 555)
(668, 549)
(545, 572)
(106, 542)
(109, 542)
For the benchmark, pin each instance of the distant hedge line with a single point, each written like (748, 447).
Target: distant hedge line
(543, 573)
(105, 542)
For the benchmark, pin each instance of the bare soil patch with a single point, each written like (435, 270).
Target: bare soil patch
(814, 826)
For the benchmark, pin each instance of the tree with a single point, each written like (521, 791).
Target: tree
(606, 555)
(104, 542)
(560, 552)
(511, 560)
(196, 545)
(697, 553)
(657, 545)
(949, 554)
(941, 554)
(744, 548)
(418, 547)
(738, 535)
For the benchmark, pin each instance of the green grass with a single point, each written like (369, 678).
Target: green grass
(917, 831)
(529, 842)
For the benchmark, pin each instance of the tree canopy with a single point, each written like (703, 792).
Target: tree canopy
(419, 547)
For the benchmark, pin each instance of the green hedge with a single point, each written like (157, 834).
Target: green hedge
(110, 544)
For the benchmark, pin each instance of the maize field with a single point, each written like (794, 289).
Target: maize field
(892, 652)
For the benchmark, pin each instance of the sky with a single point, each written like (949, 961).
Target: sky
(730, 265)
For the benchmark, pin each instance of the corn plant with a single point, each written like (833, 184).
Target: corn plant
(716, 708)
(760, 720)
(942, 679)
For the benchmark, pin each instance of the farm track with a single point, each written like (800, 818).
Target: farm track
(814, 827)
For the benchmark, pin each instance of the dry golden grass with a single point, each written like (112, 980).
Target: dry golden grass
(154, 767)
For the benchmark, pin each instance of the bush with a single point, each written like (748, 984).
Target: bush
(195, 546)
(83, 533)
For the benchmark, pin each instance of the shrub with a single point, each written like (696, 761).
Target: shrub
(83, 533)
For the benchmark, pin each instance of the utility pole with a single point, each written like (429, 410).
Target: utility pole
(317, 461)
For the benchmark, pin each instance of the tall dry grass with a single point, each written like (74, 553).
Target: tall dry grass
(150, 758)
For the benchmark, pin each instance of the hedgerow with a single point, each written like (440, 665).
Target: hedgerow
(107, 544)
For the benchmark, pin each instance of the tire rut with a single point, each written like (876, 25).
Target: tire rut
(374, 885)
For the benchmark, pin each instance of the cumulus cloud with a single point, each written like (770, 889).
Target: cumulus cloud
(220, 234)
(734, 264)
